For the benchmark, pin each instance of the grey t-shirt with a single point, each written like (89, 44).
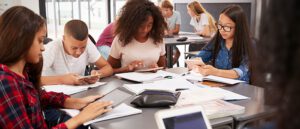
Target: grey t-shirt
(173, 20)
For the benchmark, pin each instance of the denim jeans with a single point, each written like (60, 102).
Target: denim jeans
(104, 51)
(55, 116)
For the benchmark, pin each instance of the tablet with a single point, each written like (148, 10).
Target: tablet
(118, 96)
(89, 76)
(191, 117)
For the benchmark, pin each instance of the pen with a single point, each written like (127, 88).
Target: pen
(180, 89)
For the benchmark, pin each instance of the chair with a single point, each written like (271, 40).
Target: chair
(90, 67)
(47, 40)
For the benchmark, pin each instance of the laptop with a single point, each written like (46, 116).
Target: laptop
(191, 117)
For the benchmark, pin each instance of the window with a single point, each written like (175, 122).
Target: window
(93, 12)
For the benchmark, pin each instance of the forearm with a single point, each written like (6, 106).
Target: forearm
(226, 73)
(106, 71)
(74, 122)
(52, 80)
(121, 70)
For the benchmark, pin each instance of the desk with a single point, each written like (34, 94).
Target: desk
(145, 120)
(255, 107)
(170, 42)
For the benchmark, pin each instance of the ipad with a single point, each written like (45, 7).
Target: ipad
(89, 76)
(118, 96)
(191, 117)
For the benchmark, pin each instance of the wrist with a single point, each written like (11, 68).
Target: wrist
(74, 122)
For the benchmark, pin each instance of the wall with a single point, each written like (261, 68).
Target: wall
(215, 7)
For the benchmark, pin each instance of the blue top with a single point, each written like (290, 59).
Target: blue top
(223, 60)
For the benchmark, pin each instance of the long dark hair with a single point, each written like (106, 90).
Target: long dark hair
(241, 47)
(278, 62)
(18, 26)
(133, 14)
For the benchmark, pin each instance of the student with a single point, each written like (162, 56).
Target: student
(21, 99)
(173, 20)
(202, 21)
(229, 51)
(66, 59)
(139, 38)
(105, 40)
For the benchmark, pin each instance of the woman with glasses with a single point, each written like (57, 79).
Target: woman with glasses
(228, 53)
(201, 20)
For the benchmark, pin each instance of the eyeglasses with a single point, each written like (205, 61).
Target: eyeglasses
(225, 28)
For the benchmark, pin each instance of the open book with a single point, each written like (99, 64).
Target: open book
(119, 111)
(71, 89)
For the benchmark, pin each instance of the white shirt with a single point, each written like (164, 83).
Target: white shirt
(147, 51)
(199, 26)
(58, 62)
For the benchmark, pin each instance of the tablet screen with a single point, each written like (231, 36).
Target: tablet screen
(117, 96)
(187, 121)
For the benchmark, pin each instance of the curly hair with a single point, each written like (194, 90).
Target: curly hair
(133, 14)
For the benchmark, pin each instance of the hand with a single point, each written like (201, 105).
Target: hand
(71, 79)
(154, 65)
(135, 65)
(92, 111)
(93, 80)
(79, 103)
(207, 70)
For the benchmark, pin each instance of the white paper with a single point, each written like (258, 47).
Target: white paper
(228, 95)
(187, 33)
(139, 77)
(167, 84)
(71, 89)
(192, 37)
(218, 108)
(146, 77)
(191, 97)
(119, 111)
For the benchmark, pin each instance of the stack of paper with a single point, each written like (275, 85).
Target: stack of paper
(146, 76)
(119, 111)
(167, 84)
(191, 97)
(71, 89)
(220, 108)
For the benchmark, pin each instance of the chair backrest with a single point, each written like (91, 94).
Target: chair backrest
(92, 39)
(47, 40)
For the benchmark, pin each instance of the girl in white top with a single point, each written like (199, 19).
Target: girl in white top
(139, 38)
(201, 20)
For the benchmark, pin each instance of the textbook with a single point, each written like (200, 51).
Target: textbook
(119, 111)
(71, 89)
